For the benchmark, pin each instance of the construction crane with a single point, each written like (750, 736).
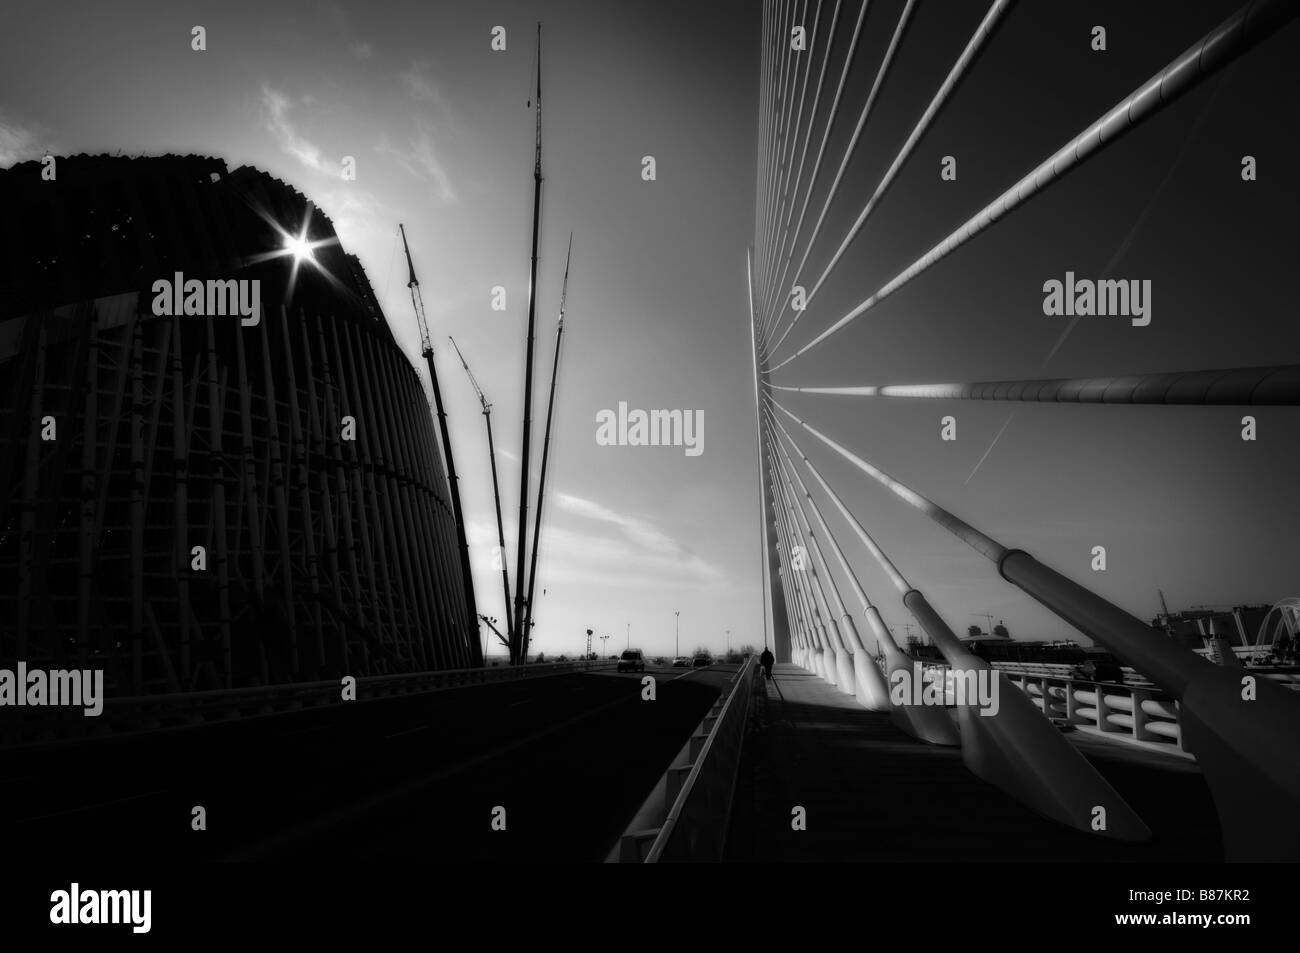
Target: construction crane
(426, 346)
(546, 450)
(496, 494)
(520, 652)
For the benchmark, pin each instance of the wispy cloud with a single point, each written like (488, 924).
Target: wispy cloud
(420, 158)
(640, 531)
(18, 143)
(418, 82)
(359, 216)
(581, 556)
(276, 107)
(433, 123)
(357, 46)
(637, 554)
(641, 549)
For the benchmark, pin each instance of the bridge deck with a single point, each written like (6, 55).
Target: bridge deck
(399, 778)
(873, 794)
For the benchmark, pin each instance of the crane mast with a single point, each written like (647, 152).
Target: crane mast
(519, 654)
(471, 642)
(496, 493)
(546, 449)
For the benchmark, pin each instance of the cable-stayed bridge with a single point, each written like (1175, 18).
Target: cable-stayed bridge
(857, 749)
(1240, 726)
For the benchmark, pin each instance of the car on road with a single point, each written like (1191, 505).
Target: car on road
(631, 661)
(702, 661)
(681, 662)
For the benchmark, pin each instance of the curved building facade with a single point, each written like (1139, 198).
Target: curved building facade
(206, 500)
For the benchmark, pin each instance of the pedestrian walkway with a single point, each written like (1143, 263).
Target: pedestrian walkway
(872, 793)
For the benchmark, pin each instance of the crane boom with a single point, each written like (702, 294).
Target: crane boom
(546, 451)
(469, 650)
(520, 654)
(496, 495)
(482, 398)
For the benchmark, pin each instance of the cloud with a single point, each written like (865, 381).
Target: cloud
(638, 555)
(570, 555)
(276, 106)
(420, 86)
(17, 143)
(359, 216)
(421, 155)
(420, 158)
(640, 531)
(358, 47)
(644, 550)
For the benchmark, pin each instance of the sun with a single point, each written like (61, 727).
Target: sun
(299, 247)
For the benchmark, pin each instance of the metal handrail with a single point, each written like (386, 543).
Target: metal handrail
(694, 814)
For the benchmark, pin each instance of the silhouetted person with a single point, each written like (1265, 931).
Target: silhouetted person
(767, 659)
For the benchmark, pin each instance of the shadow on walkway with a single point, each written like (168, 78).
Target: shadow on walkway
(871, 793)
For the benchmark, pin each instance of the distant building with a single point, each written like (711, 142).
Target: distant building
(1239, 625)
(188, 502)
(1224, 634)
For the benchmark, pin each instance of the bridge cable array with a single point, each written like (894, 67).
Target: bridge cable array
(821, 149)
(1229, 40)
(807, 136)
(959, 69)
(1274, 386)
(1244, 740)
(1063, 786)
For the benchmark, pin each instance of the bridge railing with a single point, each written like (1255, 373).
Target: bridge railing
(1129, 709)
(694, 796)
(188, 709)
(1143, 714)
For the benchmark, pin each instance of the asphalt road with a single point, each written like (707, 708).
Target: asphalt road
(568, 757)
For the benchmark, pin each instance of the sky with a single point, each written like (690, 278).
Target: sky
(1180, 502)
(657, 307)
(443, 141)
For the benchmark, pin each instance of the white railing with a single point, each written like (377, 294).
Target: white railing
(1133, 708)
(686, 816)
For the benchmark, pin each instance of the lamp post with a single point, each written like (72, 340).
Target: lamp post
(678, 637)
(629, 635)
(603, 639)
(728, 641)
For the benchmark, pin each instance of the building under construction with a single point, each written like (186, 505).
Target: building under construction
(197, 502)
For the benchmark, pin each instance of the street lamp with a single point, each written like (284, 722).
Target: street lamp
(678, 637)
(629, 635)
(728, 641)
(603, 640)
